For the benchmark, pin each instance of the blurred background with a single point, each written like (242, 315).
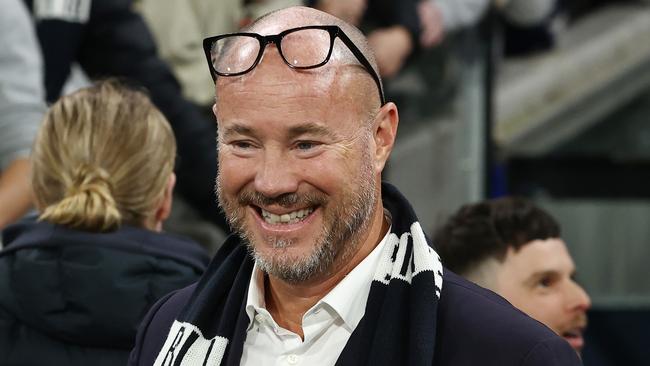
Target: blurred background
(567, 125)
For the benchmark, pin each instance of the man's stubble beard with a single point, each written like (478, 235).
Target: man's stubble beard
(343, 227)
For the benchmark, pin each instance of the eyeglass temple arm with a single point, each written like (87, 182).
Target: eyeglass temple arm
(207, 43)
(364, 61)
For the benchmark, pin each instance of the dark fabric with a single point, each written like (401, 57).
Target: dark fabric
(387, 13)
(115, 42)
(617, 337)
(70, 297)
(471, 326)
(525, 41)
(478, 327)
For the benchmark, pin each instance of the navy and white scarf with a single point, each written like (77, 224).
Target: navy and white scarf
(398, 327)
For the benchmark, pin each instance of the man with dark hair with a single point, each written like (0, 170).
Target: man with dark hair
(329, 265)
(513, 248)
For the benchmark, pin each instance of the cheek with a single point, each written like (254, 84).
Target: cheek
(546, 311)
(234, 173)
(330, 171)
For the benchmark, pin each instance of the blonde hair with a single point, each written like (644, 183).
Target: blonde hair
(102, 158)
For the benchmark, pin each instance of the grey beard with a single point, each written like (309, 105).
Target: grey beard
(338, 241)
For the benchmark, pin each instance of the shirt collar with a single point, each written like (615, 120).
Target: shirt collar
(350, 308)
(255, 298)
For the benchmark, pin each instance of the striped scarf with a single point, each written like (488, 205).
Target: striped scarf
(398, 327)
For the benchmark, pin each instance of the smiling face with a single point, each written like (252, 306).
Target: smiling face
(538, 279)
(298, 170)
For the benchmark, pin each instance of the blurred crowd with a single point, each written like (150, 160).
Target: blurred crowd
(157, 45)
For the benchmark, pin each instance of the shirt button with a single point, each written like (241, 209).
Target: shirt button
(292, 359)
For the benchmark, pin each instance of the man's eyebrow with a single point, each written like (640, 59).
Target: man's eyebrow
(237, 129)
(541, 274)
(310, 128)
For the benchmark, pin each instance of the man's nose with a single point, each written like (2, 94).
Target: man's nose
(275, 176)
(579, 299)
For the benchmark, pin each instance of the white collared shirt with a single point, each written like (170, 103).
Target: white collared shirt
(327, 326)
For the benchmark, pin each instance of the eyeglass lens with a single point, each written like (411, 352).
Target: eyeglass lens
(306, 47)
(301, 49)
(234, 54)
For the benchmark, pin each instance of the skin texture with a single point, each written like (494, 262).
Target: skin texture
(292, 140)
(432, 32)
(392, 46)
(15, 192)
(163, 207)
(538, 279)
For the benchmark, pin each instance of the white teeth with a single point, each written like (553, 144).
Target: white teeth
(288, 218)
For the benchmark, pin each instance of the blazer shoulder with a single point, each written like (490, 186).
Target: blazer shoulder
(156, 324)
(473, 318)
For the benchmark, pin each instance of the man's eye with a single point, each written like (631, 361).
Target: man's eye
(305, 145)
(242, 144)
(545, 282)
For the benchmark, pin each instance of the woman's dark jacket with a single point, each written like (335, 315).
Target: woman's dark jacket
(70, 297)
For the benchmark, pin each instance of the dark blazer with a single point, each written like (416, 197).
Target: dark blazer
(478, 327)
(475, 327)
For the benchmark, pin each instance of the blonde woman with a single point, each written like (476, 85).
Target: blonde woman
(75, 284)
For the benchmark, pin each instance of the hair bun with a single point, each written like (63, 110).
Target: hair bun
(87, 178)
(88, 203)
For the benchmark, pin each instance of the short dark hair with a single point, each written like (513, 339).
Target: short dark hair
(486, 229)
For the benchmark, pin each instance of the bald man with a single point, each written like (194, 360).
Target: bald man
(328, 266)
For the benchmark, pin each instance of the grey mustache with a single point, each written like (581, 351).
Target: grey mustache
(286, 200)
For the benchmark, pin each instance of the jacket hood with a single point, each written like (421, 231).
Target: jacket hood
(88, 288)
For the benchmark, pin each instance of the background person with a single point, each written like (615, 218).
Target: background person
(514, 248)
(107, 38)
(22, 105)
(75, 284)
(179, 27)
(392, 27)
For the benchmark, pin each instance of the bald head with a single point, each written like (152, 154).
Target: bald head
(342, 61)
(298, 16)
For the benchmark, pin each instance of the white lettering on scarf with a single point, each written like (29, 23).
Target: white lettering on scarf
(421, 258)
(186, 343)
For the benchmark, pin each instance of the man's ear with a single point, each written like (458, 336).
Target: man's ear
(384, 133)
(165, 208)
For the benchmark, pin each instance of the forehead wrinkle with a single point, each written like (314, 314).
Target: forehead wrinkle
(283, 87)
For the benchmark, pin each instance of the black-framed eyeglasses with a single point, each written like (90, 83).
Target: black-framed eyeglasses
(306, 47)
